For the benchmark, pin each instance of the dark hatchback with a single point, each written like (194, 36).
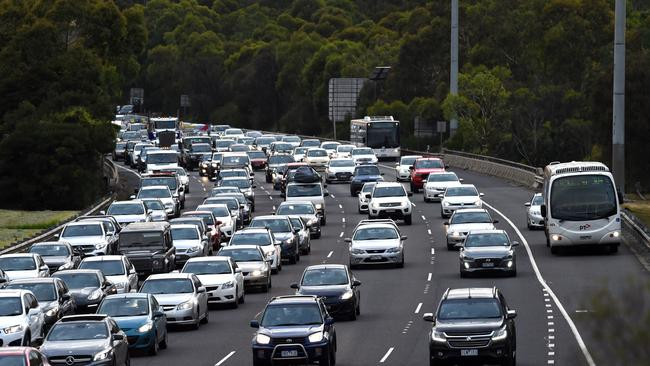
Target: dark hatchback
(294, 330)
(336, 285)
(88, 287)
(364, 174)
(472, 325)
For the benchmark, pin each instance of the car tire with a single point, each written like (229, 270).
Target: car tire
(297, 256)
(187, 190)
(326, 359)
(353, 315)
(509, 360)
(257, 362)
(164, 342)
(352, 194)
(401, 263)
(613, 249)
(206, 318)
(197, 323)
(153, 349)
(317, 236)
(127, 362)
(242, 298)
(358, 309)
(513, 272)
(463, 274)
(555, 250)
(359, 208)
(323, 220)
(451, 246)
(408, 220)
(27, 342)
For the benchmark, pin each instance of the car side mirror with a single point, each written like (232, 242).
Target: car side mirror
(237, 270)
(404, 237)
(542, 210)
(411, 167)
(410, 194)
(33, 311)
(356, 283)
(132, 197)
(294, 286)
(158, 314)
(254, 186)
(296, 231)
(511, 314)
(118, 337)
(446, 166)
(218, 222)
(347, 240)
(515, 243)
(481, 194)
(255, 324)
(427, 317)
(181, 189)
(461, 180)
(326, 194)
(201, 290)
(382, 173)
(56, 236)
(329, 320)
(368, 195)
(527, 204)
(110, 233)
(495, 221)
(65, 297)
(446, 223)
(102, 212)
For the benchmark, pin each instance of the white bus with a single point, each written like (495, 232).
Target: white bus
(161, 124)
(581, 206)
(381, 133)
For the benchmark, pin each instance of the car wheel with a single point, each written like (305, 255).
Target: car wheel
(353, 315)
(206, 318)
(408, 220)
(164, 342)
(317, 236)
(513, 272)
(509, 360)
(463, 274)
(555, 250)
(153, 348)
(187, 190)
(352, 194)
(242, 298)
(451, 246)
(297, 257)
(27, 342)
(358, 309)
(270, 281)
(613, 249)
(401, 263)
(292, 260)
(127, 362)
(197, 322)
(323, 220)
(326, 359)
(235, 304)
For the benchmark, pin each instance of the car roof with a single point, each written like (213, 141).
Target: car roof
(326, 266)
(13, 293)
(129, 295)
(429, 158)
(294, 299)
(102, 258)
(15, 350)
(18, 255)
(463, 186)
(213, 258)
(389, 184)
(171, 275)
(266, 217)
(253, 230)
(235, 247)
(154, 187)
(87, 271)
(410, 156)
(183, 226)
(84, 317)
(45, 243)
(35, 280)
(137, 200)
(84, 222)
(287, 203)
(197, 212)
(468, 293)
(146, 226)
(470, 210)
(488, 231)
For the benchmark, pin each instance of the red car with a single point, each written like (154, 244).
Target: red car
(421, 169)
(26, 356)
(258, 159)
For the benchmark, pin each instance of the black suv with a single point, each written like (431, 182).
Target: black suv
(472, 324)
(149, 246)
(294, 329)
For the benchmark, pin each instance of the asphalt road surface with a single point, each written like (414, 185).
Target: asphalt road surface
(390, 330)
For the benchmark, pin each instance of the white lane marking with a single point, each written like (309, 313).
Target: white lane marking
(414, 205)
(340, 236)
(271, 198)
(225, 359)
(417, 309)
(340, 206)
(429, 231)
(424, 218)
(343, 219)
(330, 254)
(274, 208)
(204, 189)
(383, 359)
(433, 251)
(429, 277)
(331, 195)
(542, 281)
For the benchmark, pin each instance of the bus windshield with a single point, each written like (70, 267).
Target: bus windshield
(583, 197)
(383, 134)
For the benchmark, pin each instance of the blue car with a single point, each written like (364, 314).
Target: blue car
(140, 317)
(294, 329)
(363, 174)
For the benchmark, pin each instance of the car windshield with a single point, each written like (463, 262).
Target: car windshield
(250, 239)
(140, 240)
(471, 217)
(218, 190)
(256, 155)
(289, 209)
(217, 211)
(282, 146)
(362, 152)
(207, 268)
(167, 286)
(17, 263)
(583, 197)
(344, 148)
(288, 315)
(242, 255)
(10, 306)
(108, 268)
(375, 233)
(300, 150)
(77, 281)
(316, 153)
(43, 291)
(428, 164)
(264, 140)
(291, 139)
(325, 277)
(201, 148)
(296, 223)
(234, 131)
(224, 143)
(407, 161)
(397, 191)
(13, 360)
(330, 146)
(121, 307)
(154, 193)
(537, 201)
(368, 187)
(207, 219)
(233, 173)
(446, 177)
(461, 191)
(304, 190)
(239, 183)
(82, 230)
(77, 331)
(50, 250)
(162, 158)
(341, 163)
(154, 205)
(475, 240)
(159, 181)
(235, 160)
(276, 225)
(185, 233)
(125, 209)
(469, 309)
(311, 143)
(366, 170)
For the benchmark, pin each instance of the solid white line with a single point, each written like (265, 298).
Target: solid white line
(383, 359)
(271, 198)
(343, 219)
(273, 208)
(542, 281)
(429, 277)
(414, 205)
(225, 358)
(417, 309)
(330, 254)
(340, 236)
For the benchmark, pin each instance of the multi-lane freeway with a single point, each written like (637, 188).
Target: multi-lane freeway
(390, 329)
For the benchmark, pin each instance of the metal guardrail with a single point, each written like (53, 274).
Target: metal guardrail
(635, 228)
(532, 169)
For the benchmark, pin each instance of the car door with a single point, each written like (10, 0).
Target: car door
(160, 322)
(120, 347)
(66, 303)
(202, 297)
(239, 277)
(132, 274)
(36, 318)
(43, 269)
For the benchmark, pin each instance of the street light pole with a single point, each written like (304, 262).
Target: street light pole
(618, 118)
(453, 77)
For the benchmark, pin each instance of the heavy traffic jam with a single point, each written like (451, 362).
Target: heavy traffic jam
(117, 284)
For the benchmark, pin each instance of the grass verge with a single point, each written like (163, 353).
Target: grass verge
(19, 225)
(640, 209)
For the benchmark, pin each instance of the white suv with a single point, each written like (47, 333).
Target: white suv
(462, 196)
(22, 321)
(389, 199)
(437, 183)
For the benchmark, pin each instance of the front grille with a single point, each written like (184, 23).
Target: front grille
(211, 288)
(132, 339)
(469, 334)
(479, 343)
(142, 264)
(375, 251)
(343, 175)
(86, 248)
(390, 204)
(245, 274)
(480, 261)
(168, 307)
(288, 340)
(63, 360)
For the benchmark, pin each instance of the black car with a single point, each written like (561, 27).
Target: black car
(208, 165)
(86, 340)
(275, 162)
(53, 297)
(118, 151)
(294, 329)
(488, 251)
(336, 285)
(472, 324)
(362, 175)
(284, 232)
(88, 287)
(191, 156)
(149, 246)
(58, 255)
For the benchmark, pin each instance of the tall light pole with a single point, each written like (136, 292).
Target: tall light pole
(453, 77)
(618, 118)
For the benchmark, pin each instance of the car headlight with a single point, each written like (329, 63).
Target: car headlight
(229, 284)
(312, 221)
(256, 273)
(455, 233)
(66, 265)
(262, 339)
(316, 337)
(537, 213)
(214, 165)
(103, 355)
(51, 312)
(477, 202)
(95, 295)
(500, 334)
(14, 329)
(185, 305)
(445, 203)
(356, 251)
(157, 263)
(394, 250)
(194, 249)
(288, 241)
(100, 245)
(347, 294)
(319, 206)
(120, 284)
(144, 328)
(438, 336)
(248, 193)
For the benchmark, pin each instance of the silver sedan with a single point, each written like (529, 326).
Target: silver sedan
(534, 217)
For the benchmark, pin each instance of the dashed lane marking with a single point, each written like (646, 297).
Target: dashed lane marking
(429, 231)
(383, 359)
(433, 251)
(429, 277)
(340, 206)
(329, 255)
(417, 309)
(224, 359)
(424, 218)
(340, 236)
(343, 219)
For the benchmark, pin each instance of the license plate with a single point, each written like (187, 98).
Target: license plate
(469, 352)
(293, 353)
(488, 265)
(375, 258)
(585, 237)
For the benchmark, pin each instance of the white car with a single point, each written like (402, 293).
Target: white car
(376, 242)
(363, 200)
(23, 265)
(189, 242)
(299, 153)
(21, 318)
(462, 196)
(156, 209)
(312, 192)
(343, 151)
(437, 183)
(254, 266)
(223, 214)
(182, 177)
(116, 268)
(403, 167)
(339, 170)
(293, 140)
(161, 159)
(465, 220)
(223, 145)
(162, 193)
(222, 279)
(390, 200)
(264, 239)
(233, 133)
(317, 158)
(330, 147)
(91, 237)
(534, 217)
(363, 155)
(126, 212)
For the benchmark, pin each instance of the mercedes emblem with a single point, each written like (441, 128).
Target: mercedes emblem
(69, 360)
